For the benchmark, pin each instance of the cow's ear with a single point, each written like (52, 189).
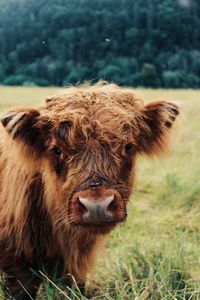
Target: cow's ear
(156, 124)
(26, 126)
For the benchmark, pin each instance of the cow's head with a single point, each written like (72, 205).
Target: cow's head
(85, 143)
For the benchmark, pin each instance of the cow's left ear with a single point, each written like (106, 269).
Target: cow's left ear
(26, 126)
(156, 124)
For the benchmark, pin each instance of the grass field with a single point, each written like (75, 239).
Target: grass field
(156, 254)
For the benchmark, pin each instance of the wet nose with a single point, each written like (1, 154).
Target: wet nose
(97, 211)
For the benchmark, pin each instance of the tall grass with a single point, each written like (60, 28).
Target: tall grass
(155, 254)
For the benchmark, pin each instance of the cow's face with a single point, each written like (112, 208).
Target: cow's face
(94, 162)
(89, 148)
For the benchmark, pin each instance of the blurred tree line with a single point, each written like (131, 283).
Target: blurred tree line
(149, 43)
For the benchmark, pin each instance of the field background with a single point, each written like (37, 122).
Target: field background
(156, 254)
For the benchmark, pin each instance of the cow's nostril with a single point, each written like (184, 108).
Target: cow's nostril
(81, 206)
(112, 205)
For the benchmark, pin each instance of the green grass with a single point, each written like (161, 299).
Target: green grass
(156, 254)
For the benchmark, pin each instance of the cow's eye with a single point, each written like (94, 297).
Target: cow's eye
(128, 147)
(56, 150)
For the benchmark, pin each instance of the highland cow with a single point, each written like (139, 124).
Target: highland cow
(66, 173)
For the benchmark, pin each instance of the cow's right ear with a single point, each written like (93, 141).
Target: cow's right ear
(26, 126)
(157, 123)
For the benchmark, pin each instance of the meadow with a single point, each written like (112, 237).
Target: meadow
(156, 253)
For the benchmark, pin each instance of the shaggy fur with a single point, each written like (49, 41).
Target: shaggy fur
(51, 154)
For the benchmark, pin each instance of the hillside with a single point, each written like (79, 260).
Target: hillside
(59, 42)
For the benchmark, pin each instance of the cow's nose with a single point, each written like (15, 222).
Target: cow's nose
(97, 211)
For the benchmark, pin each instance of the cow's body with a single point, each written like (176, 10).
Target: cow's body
(29, 242)
(66, 172)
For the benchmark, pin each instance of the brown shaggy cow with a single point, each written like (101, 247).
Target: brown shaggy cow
(66, 173)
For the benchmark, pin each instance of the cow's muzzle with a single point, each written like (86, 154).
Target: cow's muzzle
(97, 207)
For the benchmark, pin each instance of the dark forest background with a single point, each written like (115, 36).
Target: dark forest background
(151, 43)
